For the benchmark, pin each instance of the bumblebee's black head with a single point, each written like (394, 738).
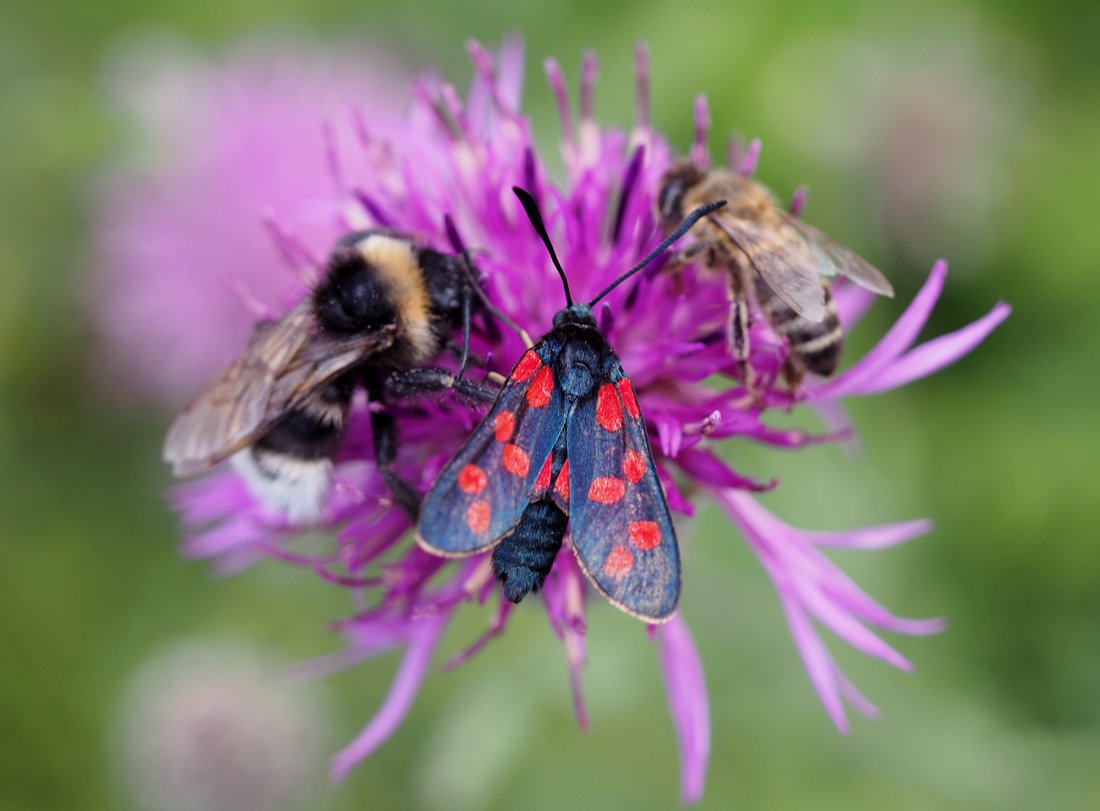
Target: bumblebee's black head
(352, 297)
(674, 185)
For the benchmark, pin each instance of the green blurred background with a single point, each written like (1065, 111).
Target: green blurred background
(998, 102)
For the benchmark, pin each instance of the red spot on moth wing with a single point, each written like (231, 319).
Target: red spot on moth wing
(538, 394)
(634, 466)
(542, 481)
(472, 480)
(619, 562)
(478, 515)
(504, 425)
(644, 534)
(516, 460)
(630, 402)
(606, 489)
(561, 486)
(527, 366)
(608, 412)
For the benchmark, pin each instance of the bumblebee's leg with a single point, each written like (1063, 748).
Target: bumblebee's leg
(384, 428)
(433, 380)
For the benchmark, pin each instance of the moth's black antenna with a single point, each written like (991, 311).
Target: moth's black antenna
(532, 209)
(685, 226)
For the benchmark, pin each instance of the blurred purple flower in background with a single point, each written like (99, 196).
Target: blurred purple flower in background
(185, 260)
(210, 725)
(460, 156)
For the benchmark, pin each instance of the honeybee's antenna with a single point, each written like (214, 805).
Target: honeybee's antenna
(532, 209)
(684, 227)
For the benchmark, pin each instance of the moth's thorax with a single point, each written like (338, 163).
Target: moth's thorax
(581, 359)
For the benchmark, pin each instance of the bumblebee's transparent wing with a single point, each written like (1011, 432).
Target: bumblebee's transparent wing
(282, 364)
(843, 260)
(788, 264)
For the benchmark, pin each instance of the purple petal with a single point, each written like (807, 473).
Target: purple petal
(818, 662)
(686, 689)
(930, 357)
(406, 684)
(879, 537)
(897, 340)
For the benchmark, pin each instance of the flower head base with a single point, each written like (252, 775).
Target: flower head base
(458, 159)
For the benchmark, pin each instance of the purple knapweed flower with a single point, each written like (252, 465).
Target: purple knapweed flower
(458, 157)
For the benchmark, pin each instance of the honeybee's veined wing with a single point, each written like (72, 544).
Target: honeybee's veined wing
(843, 260)
(788, 264)
(282, 364)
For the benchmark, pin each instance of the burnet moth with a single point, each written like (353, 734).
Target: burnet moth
(564, 444)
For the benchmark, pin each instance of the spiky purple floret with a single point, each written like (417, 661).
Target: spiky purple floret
(460, 159)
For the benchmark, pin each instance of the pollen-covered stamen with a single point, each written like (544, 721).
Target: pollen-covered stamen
(608, 411)
(531, 172)
(516, 461)
(634, 466)
(556, 79)
(541, 388)
(590, 73)
(798, 200)
(644, 534)
(705, 426)
(561, 484)
(332, 155)
(427, 94)
(700, 155)
(504, 425)
(486, 68)
(478, 516)
(372, 208)
(452, 103)
(606, 489)
(630, 179)
(752, 157)
(472, 480)
(619, 562)
(300, 258)
(641, 86)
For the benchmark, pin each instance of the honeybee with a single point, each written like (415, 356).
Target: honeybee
(383, 307)
(773, 257)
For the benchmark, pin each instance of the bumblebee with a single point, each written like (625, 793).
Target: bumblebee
(384, 307)
(773, 257)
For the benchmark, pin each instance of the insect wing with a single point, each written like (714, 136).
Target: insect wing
(283, 363)
(618, 515)
(788, 263)
(481, 493)
(843, 260)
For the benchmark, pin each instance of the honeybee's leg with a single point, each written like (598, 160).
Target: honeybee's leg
(738, 331)
(691, 253)
(793, 372)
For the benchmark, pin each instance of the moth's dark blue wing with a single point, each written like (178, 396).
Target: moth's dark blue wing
(482, 492)
(618, 516)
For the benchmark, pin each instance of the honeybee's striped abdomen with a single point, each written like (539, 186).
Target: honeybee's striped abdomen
(815, 346)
